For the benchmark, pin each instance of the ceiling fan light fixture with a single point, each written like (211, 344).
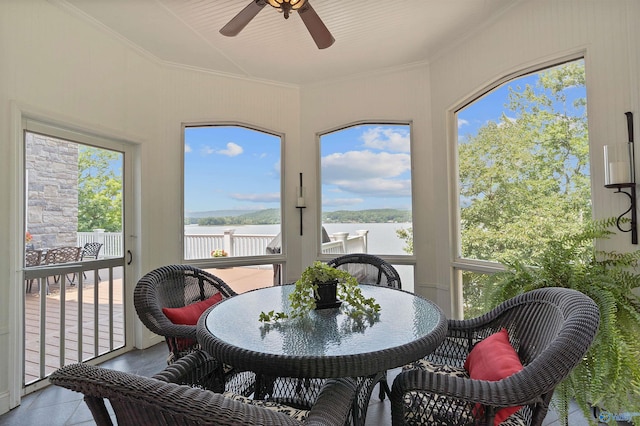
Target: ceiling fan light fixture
(286, 6)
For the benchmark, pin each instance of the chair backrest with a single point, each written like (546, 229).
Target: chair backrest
(62, 255)
(546, 325)
(91, 251)
(32, 257)
(550, 328)
(368, 269)
(174, 286)
(138, 400)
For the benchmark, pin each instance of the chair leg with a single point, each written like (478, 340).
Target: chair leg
(384, 389)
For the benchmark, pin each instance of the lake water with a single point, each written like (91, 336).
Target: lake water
(382, 238)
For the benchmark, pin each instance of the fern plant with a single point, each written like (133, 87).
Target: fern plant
(609, 375)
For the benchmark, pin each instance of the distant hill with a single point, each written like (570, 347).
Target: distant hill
(218, 213)
(367, 216)
(272, 216)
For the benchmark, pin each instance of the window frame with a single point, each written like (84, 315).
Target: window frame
(262, 259)
(460, 264)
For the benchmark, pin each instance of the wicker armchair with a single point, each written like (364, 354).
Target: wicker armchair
(177, 286)
(163, 400)
(550, 329)
(370, 269)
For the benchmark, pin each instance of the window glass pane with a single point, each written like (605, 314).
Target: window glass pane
(74, 195)
(523, 158)
(475, 289)
(231, 192)
(246, 278)
(366, 189)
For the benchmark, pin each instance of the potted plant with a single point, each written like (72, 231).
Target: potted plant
(321, 286)
(219, 253)
(609, 375)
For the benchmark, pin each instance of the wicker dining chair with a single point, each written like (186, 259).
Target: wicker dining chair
(169, 399)
(370, 269)
(548, 330)
(163, 292)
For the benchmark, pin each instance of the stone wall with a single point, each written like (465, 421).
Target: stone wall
(52, 194)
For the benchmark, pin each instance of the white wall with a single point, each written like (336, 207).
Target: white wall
(57, 66)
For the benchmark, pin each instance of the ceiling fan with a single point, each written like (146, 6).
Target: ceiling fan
(312, 21)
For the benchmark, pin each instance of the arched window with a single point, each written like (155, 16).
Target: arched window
(523, 172)
(232, 199)
(366, 190)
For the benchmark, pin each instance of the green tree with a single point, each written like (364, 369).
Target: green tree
(524, 181)
(99, 190)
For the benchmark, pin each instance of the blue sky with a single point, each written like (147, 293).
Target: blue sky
(231, 168)
(234, 168)
(366, 167)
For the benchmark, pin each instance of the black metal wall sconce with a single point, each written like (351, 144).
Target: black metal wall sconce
(620, 173)
(300, 202)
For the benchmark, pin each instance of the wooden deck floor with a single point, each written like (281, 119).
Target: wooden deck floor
(82, 319)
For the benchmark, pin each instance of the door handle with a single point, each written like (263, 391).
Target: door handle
(130, 257)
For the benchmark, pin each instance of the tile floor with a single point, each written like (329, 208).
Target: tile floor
(54, 406)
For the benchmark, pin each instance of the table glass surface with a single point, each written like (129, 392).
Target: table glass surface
(403, 318)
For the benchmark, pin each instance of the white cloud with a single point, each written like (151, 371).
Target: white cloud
(462, 122)
(377, 187)
(358, 165)
(187, 147)
(232, 150)
(336, 202)
(386, 138)
(207, 150)
(257, 198)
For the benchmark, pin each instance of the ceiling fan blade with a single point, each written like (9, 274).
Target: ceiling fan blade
(238, 22)
(316, 27)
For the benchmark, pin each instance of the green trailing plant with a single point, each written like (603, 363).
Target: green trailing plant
(303, 296)
(609, 375)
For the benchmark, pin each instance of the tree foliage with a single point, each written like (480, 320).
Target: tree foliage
(524, 180)
(99, 190)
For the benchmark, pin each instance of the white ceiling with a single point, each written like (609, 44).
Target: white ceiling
(370, 35)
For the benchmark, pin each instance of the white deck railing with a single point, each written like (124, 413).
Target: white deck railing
(200, 246)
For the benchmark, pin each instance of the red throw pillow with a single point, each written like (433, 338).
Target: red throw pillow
(494, 359)
(189, 315)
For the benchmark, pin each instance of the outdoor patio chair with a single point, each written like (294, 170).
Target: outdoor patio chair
(168, 399)
(539, 336)
(90, 251)
(370, 269)
(169, 301)
(62, 255)
(31, 258)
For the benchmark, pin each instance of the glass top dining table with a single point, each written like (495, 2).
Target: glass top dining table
(325, 343)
